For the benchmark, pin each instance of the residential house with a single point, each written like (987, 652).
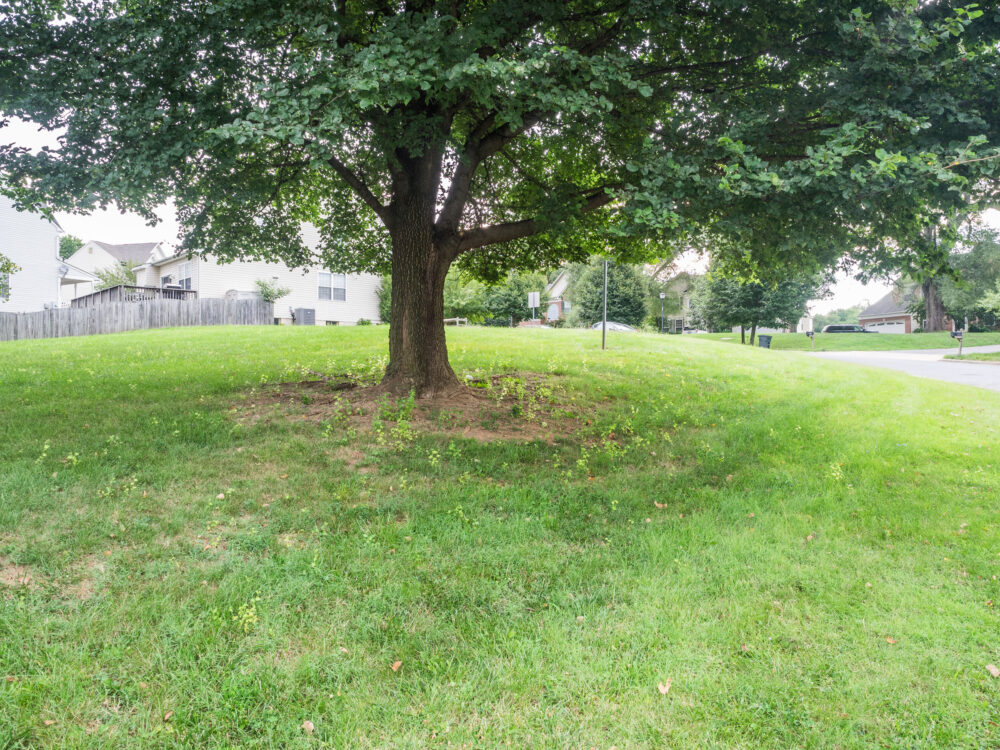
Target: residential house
(334, 298)
(555, 293)
(677, 308)
(43, 280)
(95, 256)
(891, 313)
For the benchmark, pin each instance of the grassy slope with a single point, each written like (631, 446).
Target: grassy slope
(802, 528)
(841, 342)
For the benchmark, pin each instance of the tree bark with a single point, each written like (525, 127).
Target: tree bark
(418, 353)
(743, 335)
(753, 333)
(933, 306)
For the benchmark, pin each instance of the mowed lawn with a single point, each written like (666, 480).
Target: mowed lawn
(978, 356)
(722, 547)
(846, 342)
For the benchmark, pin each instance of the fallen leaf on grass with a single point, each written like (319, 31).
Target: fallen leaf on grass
(992, 669)
(664, 687)
(889, 639)
(661, 506)
(396, 665)
(168, 715)
(49, 722)
(308, 726)
(343, 650)
(220, 496)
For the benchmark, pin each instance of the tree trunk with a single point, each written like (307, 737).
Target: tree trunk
(753, 333)
(933, 306)
(743, 335)
(418, 354)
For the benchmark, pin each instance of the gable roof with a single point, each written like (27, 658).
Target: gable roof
(890, 304)
(137, 252)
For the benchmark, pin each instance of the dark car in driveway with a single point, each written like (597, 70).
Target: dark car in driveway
(845, 329)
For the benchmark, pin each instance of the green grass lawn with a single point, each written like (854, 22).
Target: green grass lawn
(978, 356)
(804, 552)
(846, 342)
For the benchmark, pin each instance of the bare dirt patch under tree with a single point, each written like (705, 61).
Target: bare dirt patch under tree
(517, 406)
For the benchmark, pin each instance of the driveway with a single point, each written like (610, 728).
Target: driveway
(929, 363)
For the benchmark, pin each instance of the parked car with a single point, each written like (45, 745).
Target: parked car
(615, 327)
(845, 329)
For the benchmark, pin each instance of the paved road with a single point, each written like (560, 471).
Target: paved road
(929, 363)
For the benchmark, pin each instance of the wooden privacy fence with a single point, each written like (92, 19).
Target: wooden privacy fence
(115, 317)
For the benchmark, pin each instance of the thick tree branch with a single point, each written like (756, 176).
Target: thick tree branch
(359, 187)
(516, 230)
(481, 145)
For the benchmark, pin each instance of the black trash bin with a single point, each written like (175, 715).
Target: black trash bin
(764, 341)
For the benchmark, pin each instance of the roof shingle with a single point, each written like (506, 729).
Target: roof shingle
(891, 304)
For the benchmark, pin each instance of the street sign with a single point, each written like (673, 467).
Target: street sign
(534, 299)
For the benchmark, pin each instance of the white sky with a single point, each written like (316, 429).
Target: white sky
(115, 227)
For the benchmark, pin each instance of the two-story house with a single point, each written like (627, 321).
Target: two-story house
(42, 278)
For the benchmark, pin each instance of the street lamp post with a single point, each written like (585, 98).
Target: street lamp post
(604, 318)
(663, 296)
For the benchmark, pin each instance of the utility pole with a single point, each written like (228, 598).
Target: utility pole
(604, 320)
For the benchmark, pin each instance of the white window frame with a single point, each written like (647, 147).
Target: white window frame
(332, 286)
(185, 274)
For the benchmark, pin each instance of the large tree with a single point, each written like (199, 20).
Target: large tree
(976, 263)
(723, 300)
(506, 134)
(626, 294)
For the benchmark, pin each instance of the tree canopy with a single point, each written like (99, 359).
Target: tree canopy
(507, 135)
(69, 244)
(840, 316)
(626, 295)
(723, 301)
(118, 274)
(977, 265)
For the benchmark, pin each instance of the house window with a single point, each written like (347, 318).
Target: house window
(333, 286)
(166, 281)
(184, 275)
(4, 287)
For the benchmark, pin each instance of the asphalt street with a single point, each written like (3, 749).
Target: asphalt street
(929, 363)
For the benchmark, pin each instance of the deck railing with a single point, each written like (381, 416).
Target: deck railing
(129, 293)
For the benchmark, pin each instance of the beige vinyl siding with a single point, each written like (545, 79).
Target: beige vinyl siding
(32, 243)
(93, 258)
(215, 280)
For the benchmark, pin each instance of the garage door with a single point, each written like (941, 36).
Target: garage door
(887, 327)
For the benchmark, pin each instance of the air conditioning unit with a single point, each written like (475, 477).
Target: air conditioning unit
(305, 316)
